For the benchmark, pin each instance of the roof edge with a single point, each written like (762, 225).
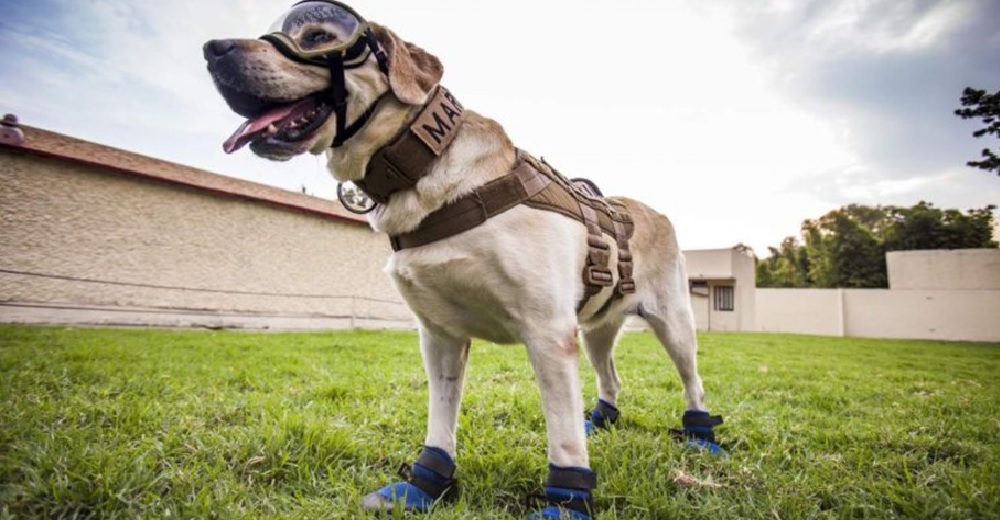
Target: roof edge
(53, 145)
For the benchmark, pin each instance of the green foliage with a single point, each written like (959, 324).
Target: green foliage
(925, 227)
(787, 266)
(844, 252)
(846, 247)
(234, 425)
(980, 104)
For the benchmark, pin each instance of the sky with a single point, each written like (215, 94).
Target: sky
(738, 119)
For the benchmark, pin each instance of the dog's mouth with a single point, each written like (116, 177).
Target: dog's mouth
(282, 123)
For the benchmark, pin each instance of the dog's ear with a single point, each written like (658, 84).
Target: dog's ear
(413, 72)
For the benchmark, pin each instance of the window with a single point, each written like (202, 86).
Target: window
(699, 289)
(724, 298)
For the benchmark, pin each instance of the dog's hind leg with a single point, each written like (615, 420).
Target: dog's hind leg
(570, 481)
(600, 344)
(432, 474)
(673, 324)
(672, 320)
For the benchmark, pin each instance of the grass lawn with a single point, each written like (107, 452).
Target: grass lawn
(198, 424)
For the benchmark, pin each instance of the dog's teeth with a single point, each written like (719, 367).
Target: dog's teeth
(271, 129)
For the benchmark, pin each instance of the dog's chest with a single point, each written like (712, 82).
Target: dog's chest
(459, 296)
(496, 280)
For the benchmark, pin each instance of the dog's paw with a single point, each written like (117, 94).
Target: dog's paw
(602, 416)
(400, 494)
(557, 513)
(427, 480)
(710, 447)
(698, 432)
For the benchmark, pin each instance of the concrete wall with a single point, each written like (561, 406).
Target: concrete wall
(804, 311)
(85, 244)
(930, 314)
(959, 315)
(958, 269)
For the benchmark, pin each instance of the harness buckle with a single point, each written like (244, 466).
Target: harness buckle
(596, 242)
(598, 276)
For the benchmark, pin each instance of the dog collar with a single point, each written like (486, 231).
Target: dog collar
(399, 165)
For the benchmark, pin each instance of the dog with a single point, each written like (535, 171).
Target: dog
(325, 81)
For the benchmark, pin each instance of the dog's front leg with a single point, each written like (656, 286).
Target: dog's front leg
(444, 361)
(570, 481)
(431, 475)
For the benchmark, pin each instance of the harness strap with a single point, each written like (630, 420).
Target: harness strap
(485, 202)
(596, 274)
(626, 285)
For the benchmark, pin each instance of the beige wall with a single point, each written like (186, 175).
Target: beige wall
(187, 254)
(804, 311)
(960, 315)
(945, 315)
(957, 269)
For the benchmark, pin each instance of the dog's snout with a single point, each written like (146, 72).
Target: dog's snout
(215, 49)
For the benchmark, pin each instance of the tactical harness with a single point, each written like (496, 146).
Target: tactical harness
(399, 165)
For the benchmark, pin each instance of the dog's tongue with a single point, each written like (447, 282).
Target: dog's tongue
(253, 127)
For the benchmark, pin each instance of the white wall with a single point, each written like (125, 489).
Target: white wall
(803, 311)
(932, 314)
(944, 269)
(959, 315)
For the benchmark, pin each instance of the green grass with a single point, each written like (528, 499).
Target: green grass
(196, 424)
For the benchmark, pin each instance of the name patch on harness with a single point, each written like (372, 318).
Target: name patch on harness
(438, 123)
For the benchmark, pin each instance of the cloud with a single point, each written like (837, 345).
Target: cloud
(891, 71)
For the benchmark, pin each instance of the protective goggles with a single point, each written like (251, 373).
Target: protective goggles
(313, 30)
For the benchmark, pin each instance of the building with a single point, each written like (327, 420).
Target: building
(95, 235)
(722, 283)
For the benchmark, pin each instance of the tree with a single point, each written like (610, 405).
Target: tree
(846, 247)
(925, 227)
(980, 104)
(844, 253)
(787, 266)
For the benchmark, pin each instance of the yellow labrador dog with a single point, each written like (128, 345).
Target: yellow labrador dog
(325, 81)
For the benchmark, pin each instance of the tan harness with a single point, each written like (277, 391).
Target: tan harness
(399, 165)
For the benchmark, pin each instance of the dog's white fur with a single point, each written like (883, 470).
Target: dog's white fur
(516, 278)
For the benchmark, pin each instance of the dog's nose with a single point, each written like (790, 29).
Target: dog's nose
(215, 49)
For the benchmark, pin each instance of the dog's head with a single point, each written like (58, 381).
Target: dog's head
(316, 77)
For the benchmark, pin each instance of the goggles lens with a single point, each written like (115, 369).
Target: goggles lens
(316, 27)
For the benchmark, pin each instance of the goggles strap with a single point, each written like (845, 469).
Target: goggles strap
(338, 95)
(359, 123)
(338, 88)
(383, 60)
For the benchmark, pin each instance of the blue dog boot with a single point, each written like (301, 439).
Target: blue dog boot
(567, 495)
(698, 431)
(426, 481)
(602, 416)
